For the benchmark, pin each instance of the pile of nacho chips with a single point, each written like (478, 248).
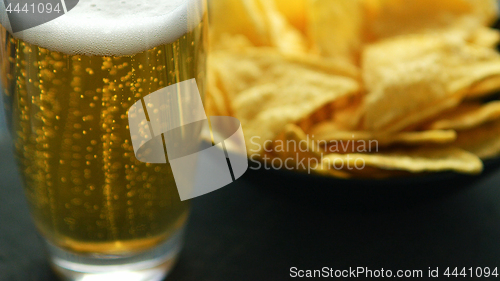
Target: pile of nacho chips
(390, 87)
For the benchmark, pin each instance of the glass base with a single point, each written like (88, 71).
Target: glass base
(151, 265)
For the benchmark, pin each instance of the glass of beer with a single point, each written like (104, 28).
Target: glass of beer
(67, 85)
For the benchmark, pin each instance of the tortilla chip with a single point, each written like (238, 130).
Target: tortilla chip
(482, 78)
(486, 11)
(293, 132)
(296, 153)
(330, 65)
(324, 131)
(268, 91)
(485, 87)
(257, 20)
(239, 70)
(242, 17)
(485, 37)
(264, 110)
(282, 35)
(467, 116)
(416, 161)
(308, 152)
(348, 117)
(231, 42)
(413, 78)
(295, 11)
(388, 18)
(483, 141)
(344, 114)
(335, 28)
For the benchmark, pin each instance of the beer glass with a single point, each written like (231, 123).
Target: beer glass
(68, 84)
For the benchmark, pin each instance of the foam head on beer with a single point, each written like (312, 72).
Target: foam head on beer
(113, 27)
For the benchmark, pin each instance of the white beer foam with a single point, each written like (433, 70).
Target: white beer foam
(113, 27)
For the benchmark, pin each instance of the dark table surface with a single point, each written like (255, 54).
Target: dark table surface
(265, 223)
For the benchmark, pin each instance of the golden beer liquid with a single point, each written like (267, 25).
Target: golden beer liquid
(86, 190)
